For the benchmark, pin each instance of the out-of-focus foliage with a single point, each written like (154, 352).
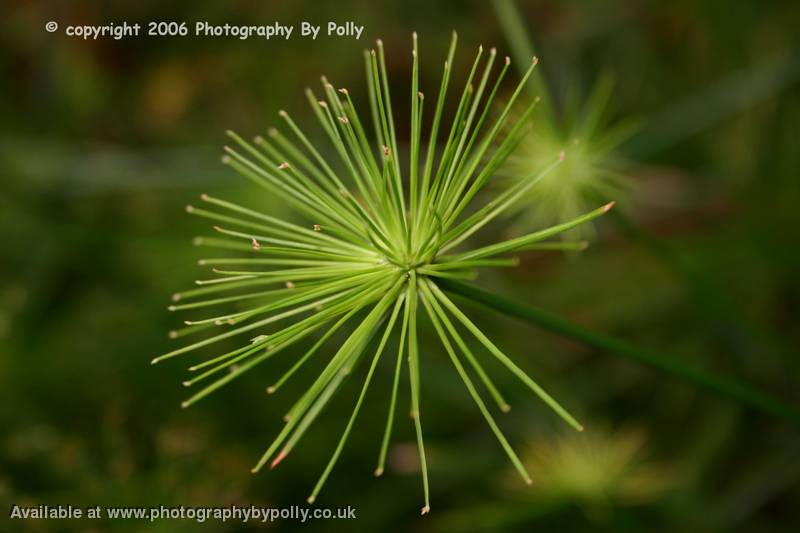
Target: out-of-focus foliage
(592, 169)
(596, 474)
(596, 469)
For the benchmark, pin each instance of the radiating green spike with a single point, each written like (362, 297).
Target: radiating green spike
(359, 255)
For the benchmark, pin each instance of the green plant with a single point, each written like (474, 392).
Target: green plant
(593, 170)
(599, 151)
(375, 251)
(581, 125)
(597, 468)
(666, 364)
(597, 474)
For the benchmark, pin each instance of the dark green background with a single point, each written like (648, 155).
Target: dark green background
(103, 143)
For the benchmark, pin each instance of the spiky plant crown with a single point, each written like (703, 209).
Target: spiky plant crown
(597, 468)
(593, 170)
(373, 252)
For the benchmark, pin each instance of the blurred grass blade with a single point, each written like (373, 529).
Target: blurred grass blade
(713, 104)
(522, 48)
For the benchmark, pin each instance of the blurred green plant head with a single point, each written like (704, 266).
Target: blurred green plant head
(374, 251)
(597, 468)
(592, 169)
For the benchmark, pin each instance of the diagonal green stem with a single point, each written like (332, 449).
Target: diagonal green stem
(721, 386)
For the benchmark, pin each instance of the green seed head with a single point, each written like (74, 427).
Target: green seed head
(376, 245)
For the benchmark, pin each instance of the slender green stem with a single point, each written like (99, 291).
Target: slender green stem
(437, 316)
(413, 370)
(726, 388)
(360, 400)
(387, 434)
(505, 360)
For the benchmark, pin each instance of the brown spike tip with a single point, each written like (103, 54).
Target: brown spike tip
(280, 457)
